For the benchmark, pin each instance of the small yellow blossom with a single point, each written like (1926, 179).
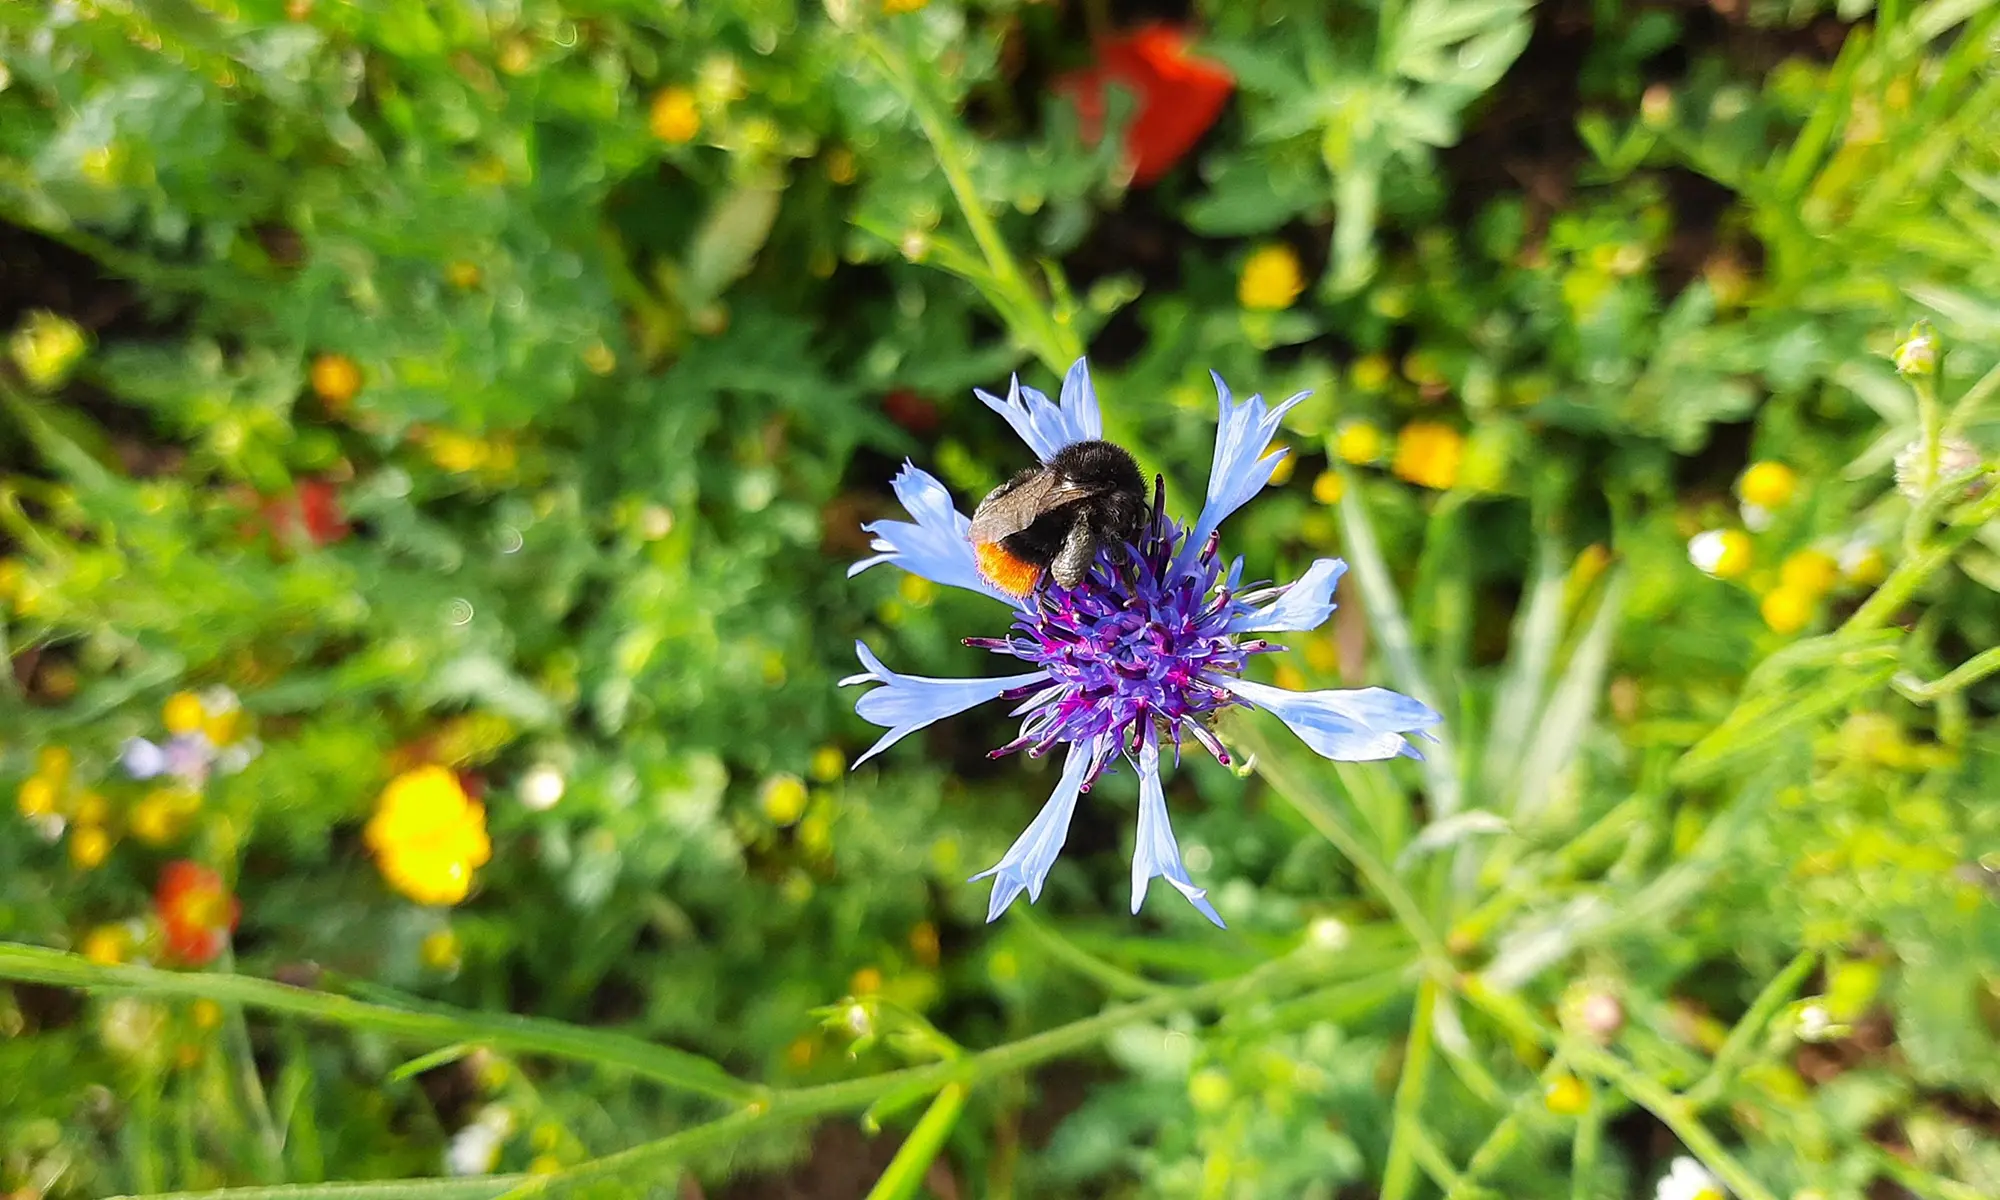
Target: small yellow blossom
(544, 1164)
(1328, 487)
(600, 359)
(456, 452)
(1210, 1091)
(894, 7)
(36, 797)
(924, 943)
(828, 764)
(47, 348)
(1811, 572)
(1358, 442)
(1566, 1095)
(463, 275)
(1271, 279)
(1768, 485)
(1723, 553)
(1787, 609)
(428, 836)
(866, 982)
(206, 1014)
(784, 799)
(336, 380)
(1428, 454)
(107, 945)
(182, 713)
(88, 847)
(674, 117)
(800, 1054)
(91, 809)
(1864, 564)
(1282, 473)
(441, 950)
(1289, 677)
(54, 762)
(163, 814)
(1371, 372)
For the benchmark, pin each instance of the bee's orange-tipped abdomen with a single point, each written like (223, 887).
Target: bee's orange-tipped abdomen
(1002, 569)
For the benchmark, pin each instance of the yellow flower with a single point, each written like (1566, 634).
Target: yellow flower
(428, 836)
(456, 452)
(866, 982)
(1809, 571)
(674, 117)
(336, 380)
(1328, 487)
(91, 809)
(1428, 453)
(1768, 484)
(54, 762)
(207, 1014)
(36, 797)
(163, 814)
(1282, 473)
(1271, 279)
(463, 275)
(1358, 442)
(1723, 553)
(924, 943)
(828, 764)
(88, 847)
(46, 348)
(1864, 564)
(1787, 609)
(784, 799)
(440, 950)
(107, 945)
(1289, 677)
(1371, 372)
(182, 713)
(1566, 1095)
(893, 7)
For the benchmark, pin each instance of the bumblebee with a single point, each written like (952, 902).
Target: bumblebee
(1051, 520)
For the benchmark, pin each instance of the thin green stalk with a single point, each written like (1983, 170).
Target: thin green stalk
(1322, 817)
(1914, 571)
(1967, 406)
(1673, 1111)
(1737, 1046)
(1112, 978)
(913, 1159)
(438, 1024)
(485, 1187)
(1920, 1182)
(1437, 1164)
(1400, 1173)
(1584, 1151)
(1609, 830)
(1963, 676)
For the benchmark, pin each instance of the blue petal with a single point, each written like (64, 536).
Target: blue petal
(1240, 468)
(141, 758)
(1046, 427)
(1154, 852)
(1306, 604)
(910, 702)
(1026, 863)
(938, 547)
(1349, 726)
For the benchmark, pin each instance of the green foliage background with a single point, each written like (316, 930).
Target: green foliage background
(623, 402)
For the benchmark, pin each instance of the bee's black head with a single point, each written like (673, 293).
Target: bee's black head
(1119, 509)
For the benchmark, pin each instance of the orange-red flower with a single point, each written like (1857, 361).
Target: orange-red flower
(197, 913)
(1179, 95)
(311, 510)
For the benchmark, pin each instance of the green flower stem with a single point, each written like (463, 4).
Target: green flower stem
(1673, 1111)
(913, 1159)
(1583, 1152)
(1915, 570)
(485, 1187)
(1921, 1183)
(1399, 1174)
(770, 1109)
(1053, 341)
(1963, 676)
(1610, 830)
(1968, 405)
(505, 1031)
(1437, 1164)
(1302, 796)
(1109, 976)
(1743, 1038)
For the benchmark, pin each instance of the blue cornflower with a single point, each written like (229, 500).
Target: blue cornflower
(1142, 651)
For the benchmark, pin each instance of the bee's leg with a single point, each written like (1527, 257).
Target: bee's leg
(1079, 549)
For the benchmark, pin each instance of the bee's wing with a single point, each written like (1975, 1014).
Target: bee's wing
(1019, 503)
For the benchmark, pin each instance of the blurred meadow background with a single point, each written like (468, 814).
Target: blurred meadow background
(433, 439)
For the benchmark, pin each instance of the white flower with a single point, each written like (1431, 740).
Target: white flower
(1687, 1179)
(541, 787)
(1705, 550)
(476, 1148)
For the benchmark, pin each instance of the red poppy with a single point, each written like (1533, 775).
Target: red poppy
(911, 411)
(196, 911)
(311, 510)
(1179, 96)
